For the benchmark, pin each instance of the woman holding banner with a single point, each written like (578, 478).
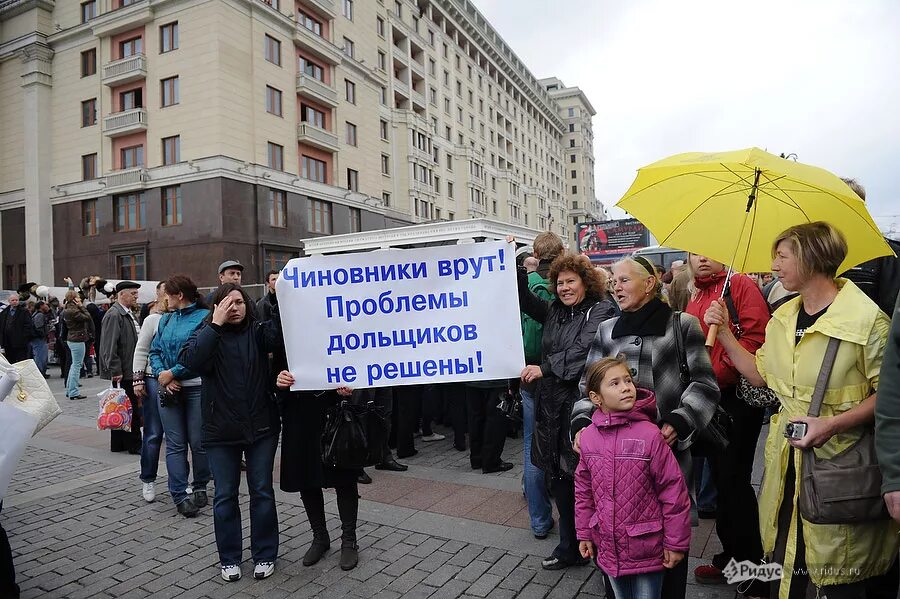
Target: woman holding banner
(570, 323)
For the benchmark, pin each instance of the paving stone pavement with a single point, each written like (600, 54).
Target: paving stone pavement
(79, 529)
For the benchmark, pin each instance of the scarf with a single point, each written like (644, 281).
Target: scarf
(710, 281)
(650, 320)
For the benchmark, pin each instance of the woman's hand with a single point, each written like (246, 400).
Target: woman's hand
(892, 501)
(532, 373)
(576, 443)
(671, 558)
(221, 310)
(174, 386)
(586, 549)
(818, 431)
(510, 239)
(670, 436)
(285, 380)
(165, 377)
(716, 314)
(139, 391)
(344, 391)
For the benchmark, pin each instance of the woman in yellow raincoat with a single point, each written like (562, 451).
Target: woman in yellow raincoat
(836, 560)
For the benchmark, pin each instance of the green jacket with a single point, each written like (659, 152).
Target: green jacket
(532, 330)
(887, 409)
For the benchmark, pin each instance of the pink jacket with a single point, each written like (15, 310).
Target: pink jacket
(630, 496)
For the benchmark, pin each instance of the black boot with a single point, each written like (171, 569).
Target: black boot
(349, 553)
(314, 503)
(348, 508)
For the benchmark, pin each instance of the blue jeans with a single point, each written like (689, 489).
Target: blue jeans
(535, 482)
(638, 586)
(77, 350)
(40, 352)
(707, 495)
(153, 432)
(183, 426)
(226, 466)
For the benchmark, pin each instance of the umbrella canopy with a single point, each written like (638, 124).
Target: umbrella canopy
(731, 206)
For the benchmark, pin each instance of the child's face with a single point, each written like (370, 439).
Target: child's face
(616, 393)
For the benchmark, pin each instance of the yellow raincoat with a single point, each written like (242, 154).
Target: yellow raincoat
(836, 553)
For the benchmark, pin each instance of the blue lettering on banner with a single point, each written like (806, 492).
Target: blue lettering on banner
(401, 337)
(474, 266)
(414, 369)
(337, 307)
(347, 374)
(356, 275)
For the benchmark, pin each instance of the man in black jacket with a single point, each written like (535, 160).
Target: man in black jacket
(16, 330)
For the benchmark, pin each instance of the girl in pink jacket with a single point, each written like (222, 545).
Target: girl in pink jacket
(632, 511)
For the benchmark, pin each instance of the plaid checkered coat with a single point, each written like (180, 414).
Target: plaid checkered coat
(654, 365)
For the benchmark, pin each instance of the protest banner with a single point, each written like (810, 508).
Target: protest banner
(402, 317)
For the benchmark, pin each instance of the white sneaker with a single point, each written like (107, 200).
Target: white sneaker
(263, 570)
(189, 491)
(148, 490)
(231, 573)
(434, 437)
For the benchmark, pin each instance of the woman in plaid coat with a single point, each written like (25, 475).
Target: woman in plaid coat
(645, 335)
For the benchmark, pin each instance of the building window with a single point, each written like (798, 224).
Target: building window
(355, 220)
(273, 50)
(132, 157)
(319, 214)
(309, 22)
(130, 212)
(275, 260)
(313, 169)
(571, 143)
(88, 217)
(277, 209)
(385, 198)
(131, 99)
(385, 164)
(398, 9)
(131, 267)
(382, 61)
(88, 167)
(168, 37)
(171, 150)
(432, 67)
(273, 100)
(574, 174)
(571, 127)
(383, 129)
(88, 10)
(352, 180)
(571, 112)
(348, 9)
(89, 112)
(310, 115)
(275, 156)
(574, 189)
(131, 47)
(382, 96)
(171, 205)
(89, 62)
(348, 47)
(449, 189)
(169, 95)
(311, 69)
(379, 26)
(351, 134)
(350, 91)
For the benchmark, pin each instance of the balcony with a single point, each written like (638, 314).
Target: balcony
(316, 90)
(418, 99)
(401, 88)
(317, 45)
(325, 8)
(130, 177)
(121, 19)
(125, 122)
(125, 70)
(316, 137)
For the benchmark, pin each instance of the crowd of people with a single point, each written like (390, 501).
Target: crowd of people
(621, 404)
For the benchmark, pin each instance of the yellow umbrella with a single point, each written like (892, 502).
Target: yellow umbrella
(731, 206)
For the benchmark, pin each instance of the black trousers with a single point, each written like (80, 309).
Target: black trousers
(737, 517)
(348, 509)
(384, 399)
(8, 587)
(406, 414)
(487, 427)
(455, 402)
(563, 489)
(125, 440)
(430, 407)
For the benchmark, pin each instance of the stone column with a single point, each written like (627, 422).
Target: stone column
(37, 83)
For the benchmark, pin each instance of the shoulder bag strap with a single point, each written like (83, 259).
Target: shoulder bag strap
(824, 374)
(683, 367)
(733, 313)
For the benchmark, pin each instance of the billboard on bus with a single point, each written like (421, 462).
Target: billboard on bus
(607, 241)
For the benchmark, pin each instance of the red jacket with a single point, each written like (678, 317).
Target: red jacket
(753, 314)
(630, 496)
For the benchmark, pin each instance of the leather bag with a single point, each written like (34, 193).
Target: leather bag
(353, 436)
(845, 489)
(31, 393)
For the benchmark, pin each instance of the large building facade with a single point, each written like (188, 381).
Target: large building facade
(146, 137)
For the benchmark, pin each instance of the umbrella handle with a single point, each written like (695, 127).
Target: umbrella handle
(711, 336)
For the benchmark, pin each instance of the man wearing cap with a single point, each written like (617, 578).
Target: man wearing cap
(16, 330)
(119, 333)
(231, 271)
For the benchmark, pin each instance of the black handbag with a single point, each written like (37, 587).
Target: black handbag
(713, 438)
(353, 435)
(756, 397)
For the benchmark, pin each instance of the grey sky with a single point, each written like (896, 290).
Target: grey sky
(815, 77)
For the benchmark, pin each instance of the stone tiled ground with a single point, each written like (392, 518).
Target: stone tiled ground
(79, 528)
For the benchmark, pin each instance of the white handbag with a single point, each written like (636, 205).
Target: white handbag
(31, 393)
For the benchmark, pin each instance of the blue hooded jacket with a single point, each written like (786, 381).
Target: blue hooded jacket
(173, 331)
